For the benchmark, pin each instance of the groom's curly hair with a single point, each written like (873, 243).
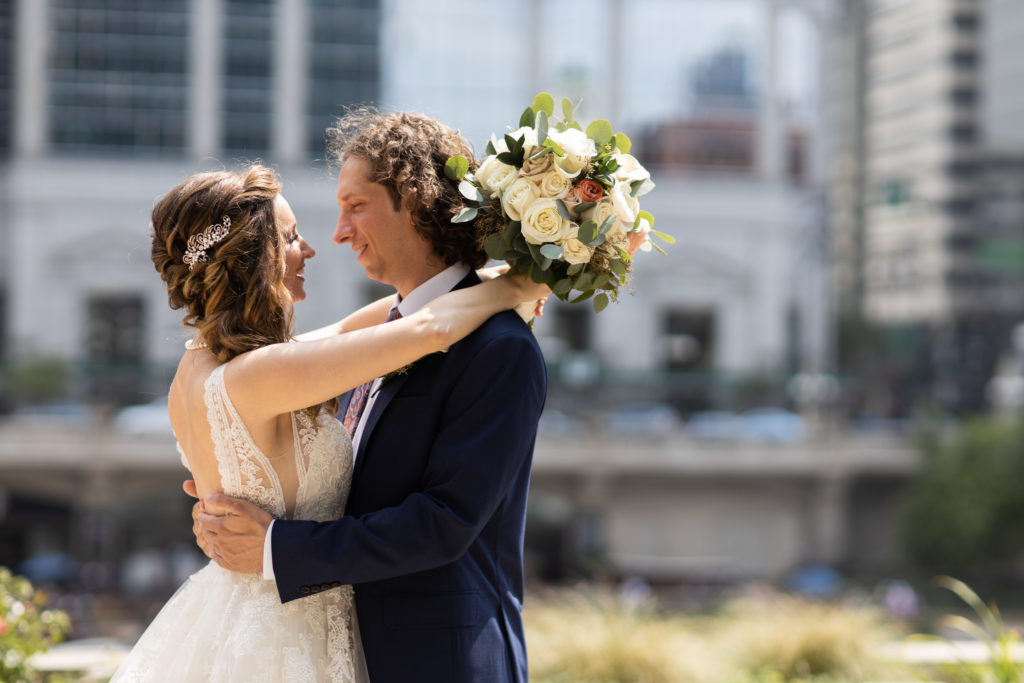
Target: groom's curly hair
(407, 154)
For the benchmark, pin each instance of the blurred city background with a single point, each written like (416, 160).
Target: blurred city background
(816, 387)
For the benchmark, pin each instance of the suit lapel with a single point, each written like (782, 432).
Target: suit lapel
(389, 390)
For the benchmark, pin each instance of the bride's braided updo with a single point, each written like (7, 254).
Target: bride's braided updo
(236, 297)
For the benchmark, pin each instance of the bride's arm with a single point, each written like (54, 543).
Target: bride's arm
(283, 377)
(371, 314)
(377, 312)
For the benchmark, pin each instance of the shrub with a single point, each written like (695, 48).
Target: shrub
(26, 626)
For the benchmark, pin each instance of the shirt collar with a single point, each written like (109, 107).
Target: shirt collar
(442, 283)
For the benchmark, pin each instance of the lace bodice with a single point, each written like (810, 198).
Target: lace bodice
(228, 627)
(322, 459)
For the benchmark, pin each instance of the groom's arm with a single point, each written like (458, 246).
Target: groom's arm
(475, 459)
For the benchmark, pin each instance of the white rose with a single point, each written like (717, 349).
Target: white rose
(629, 169)
(574, 251)
(626, 207)
(555, 183)
(517, 196)
(578, 148)
(542, 222)
(529, 136)
(495, 175)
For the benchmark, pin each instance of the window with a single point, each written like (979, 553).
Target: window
(114, 339)
(344, 64)
(6, 74)
(688, 338)
(118, 75)
(248, 82)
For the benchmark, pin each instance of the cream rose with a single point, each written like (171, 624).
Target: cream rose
(555, 183)
(578, 148)
(517, 197)
(629, 169)
(495, 175)
(599, 212)
(574, 251)
(542, 222)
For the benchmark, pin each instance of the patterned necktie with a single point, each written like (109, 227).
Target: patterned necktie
(360, 394)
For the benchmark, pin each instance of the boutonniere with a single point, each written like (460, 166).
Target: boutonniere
(404, 370)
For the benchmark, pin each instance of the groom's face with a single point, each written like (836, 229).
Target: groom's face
(387, 244)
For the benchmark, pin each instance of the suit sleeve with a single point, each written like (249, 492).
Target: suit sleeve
(490, 423)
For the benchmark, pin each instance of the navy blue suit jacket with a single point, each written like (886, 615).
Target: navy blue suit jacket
(433, 534)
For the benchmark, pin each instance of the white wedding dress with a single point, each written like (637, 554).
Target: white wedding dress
(224, 626)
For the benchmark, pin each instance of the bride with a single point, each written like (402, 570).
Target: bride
(254, 416)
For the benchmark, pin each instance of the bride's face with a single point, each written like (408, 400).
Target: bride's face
(296, 249)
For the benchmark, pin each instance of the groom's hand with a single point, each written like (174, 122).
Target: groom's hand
(234, 531)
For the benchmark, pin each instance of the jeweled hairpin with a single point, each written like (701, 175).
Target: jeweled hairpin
(199, 243)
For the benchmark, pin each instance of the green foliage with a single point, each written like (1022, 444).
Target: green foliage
(592, 637)
(967, 507)
(1002, 643)
(41, 379)
(456, 167)
(26, 626)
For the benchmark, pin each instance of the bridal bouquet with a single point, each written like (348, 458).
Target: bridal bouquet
(560, 203)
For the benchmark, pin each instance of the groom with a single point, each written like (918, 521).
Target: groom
(432, 539)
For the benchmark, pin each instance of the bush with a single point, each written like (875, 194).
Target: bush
(26, 626)
(967, 507)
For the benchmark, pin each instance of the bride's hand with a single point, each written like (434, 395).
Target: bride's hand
(486, 274)
(532, 296)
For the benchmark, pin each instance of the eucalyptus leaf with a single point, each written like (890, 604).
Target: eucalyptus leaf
(511, 255)
(597, 241)
(567, 109)
(465, 215)
(494, 247)
(470, 191)
(551, 251)
(583, 281)
(544, 102)
(600, 302)
(555, 148)
(618, 267)
(538, 257)
(607, 224)
(512, 229)
(575, 268)
(526, 118)
(576, 125)
(521, 245)
(585, 206)
(583, 297)
(600, 131)
(542, 127)
(538, 275)
(562, 126)
(623, 142)
(563, 210)
(663, 237)
(601, 280)
(456, 167)
(562, 287)
(587, 231)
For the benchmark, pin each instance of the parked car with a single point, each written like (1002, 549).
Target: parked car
(772, 425)
(147, 419)
(643, 419)
(65, 415)
(714, 425)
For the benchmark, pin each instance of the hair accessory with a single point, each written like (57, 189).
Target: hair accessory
(198, 244)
